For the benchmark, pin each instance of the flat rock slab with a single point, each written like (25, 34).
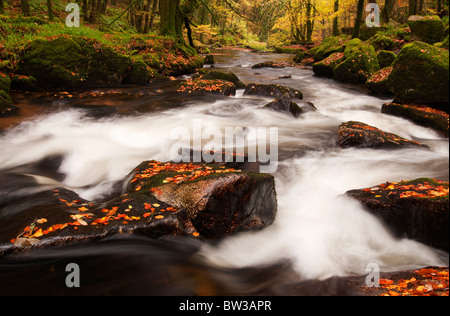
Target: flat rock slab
(361, 135)
(160, 199)
(417, 209)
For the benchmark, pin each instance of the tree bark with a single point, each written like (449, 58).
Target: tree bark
(50, 10)
(336, 19)
(168, 11)
(359, 19)
(25, 6)
(412, 7)
(387, 11)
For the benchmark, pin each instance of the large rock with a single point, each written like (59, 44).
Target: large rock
(199, 87)
(6, 105)
(286, 105)
(360, 63)
(334, 44)
(159, 199)
(68, 62)
(325, 68)
(428, 29)
(378, 82)
(421, 76)
(417, 209)
(272, 90)
(421, 115)
(219, 75)
(386, 58)
(361, 135)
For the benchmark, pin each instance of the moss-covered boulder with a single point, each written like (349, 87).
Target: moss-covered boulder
(360, 63)
(272, 90)
(334, 44)
(428, 29)
(382, 42)
(386, 58)
(325, 68)
(23, 83)
(219, 75)
(6, 105)
(421, 76)
(416, 209)
(378, 82)
(5, 82)
(421, 115)
(361, 135)
(68, 62)
(140, 73)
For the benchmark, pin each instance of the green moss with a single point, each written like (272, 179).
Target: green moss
(360, 63)
(23, 83)
(386, 58)
(329, 46)
(72, 62)
(5, 82)
(325, 68)
(381, 42)
(421, 76)
(428, 29)
(6, 104)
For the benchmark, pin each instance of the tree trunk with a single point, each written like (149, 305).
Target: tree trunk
(152, 16)
(359, 19)
(168, 11)
(50, 10)
(309, 22)
(412, 7)
(25, 6)
(336, 19)
(387, 11)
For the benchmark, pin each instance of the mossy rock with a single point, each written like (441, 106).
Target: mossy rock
(70, 62)
(6, 105)
(421, 76)
(428, 29)
(325, 68)
(5, 82)
(300, 56)
(219, 75)
(381, 42)
(272, 90)
(378, 82)
(386, 58)
(359, 65)
(23, 83)
(140, 73)
(335, 44)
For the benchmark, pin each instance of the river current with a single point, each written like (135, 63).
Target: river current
(321, 233)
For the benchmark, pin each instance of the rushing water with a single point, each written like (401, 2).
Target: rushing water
(322, 233)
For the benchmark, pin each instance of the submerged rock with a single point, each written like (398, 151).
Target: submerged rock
(286, 105)
(417, 209)
(361, 135)
(271, 64)
(421, 115)
(159, 199)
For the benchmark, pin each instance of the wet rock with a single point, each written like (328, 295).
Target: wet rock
(286, 105)
(219, 75)
(361, 135)
(209, 60)
(198, 87)
(271, 64)
(417, 209)
(159, 199)
(421, 115)
(271, 90)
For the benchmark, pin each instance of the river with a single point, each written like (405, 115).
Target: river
(97, 137)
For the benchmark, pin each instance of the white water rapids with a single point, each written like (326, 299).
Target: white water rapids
(321, 231)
